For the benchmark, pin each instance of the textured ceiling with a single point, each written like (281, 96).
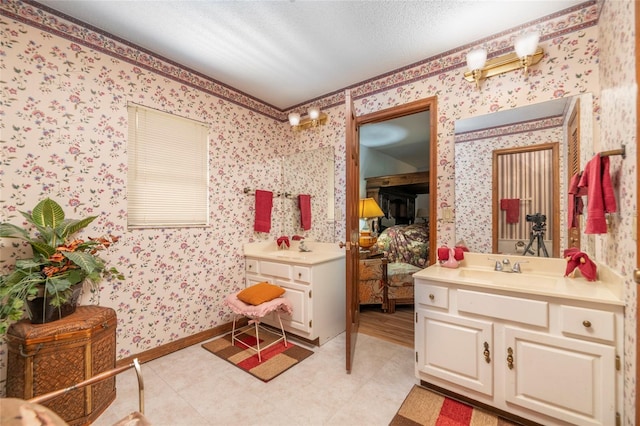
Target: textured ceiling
(288, 52)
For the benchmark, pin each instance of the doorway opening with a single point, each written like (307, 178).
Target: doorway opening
(398, 152)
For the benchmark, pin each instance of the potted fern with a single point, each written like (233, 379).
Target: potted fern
(47, 285)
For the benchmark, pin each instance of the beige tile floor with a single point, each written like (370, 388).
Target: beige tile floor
(194, 387)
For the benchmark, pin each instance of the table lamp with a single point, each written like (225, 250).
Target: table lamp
(369, 209)
(422, 214)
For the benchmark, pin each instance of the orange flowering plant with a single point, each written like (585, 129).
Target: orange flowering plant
(59, 261)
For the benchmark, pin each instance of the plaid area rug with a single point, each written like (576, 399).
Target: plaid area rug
(422, 407)
(275, 360)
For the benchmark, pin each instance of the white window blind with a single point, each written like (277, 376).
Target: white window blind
(168, 172)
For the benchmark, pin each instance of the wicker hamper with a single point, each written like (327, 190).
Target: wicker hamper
(47, 357)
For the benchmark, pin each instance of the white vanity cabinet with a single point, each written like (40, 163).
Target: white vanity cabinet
(315, 290)
(549, 359)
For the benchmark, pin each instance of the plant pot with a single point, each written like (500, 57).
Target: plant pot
(42, 312)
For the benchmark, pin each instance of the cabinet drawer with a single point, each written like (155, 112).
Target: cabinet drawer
(251, 265)
(281, 270)
(532, 312)
(302, 273)
(432, 295)
(587, 323)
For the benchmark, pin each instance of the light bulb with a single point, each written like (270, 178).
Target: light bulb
(294, 119)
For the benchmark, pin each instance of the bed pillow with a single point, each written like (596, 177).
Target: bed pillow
(259, 293)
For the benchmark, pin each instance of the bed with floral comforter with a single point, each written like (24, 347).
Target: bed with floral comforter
(389, 280)
(406, 244)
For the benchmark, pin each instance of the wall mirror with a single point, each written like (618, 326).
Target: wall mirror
(567, 122)
(312, 173)
(525, 200)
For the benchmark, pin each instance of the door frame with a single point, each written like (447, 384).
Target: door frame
(636, 273)
(353, 123)
(427, 104)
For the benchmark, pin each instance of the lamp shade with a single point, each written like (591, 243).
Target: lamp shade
(294, 119)
(369, 208)
(422, 213)
(476, 59)
(314, 113)
(526, 44)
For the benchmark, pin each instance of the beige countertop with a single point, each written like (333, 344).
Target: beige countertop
(320, 252)
(540, 276)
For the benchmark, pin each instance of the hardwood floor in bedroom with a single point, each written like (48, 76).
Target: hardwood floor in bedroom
(396, 328)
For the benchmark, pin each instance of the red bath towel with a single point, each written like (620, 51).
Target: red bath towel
(304, 202)
(264, 203)
(512, 206)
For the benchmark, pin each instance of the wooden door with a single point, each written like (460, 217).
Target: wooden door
(352, 249)
(573, 167)
(636, 273)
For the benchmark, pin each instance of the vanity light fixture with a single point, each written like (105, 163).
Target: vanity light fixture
(315, 118)
(527, 53)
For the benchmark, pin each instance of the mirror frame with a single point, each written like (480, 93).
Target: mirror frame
(555, 183)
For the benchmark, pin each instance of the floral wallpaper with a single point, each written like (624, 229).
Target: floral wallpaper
(64, 135)
(619, 91)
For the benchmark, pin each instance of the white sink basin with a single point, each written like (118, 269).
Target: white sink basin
(291, 256)
(505, 278)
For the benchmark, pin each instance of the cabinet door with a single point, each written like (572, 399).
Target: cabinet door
(298, 295)
(567, 379)
(452, 348)
(252, 279)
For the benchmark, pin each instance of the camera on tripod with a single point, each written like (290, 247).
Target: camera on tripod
(537, 233)
(539, 221)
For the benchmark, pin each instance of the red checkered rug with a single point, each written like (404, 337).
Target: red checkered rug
(425, 408)
(275, 360)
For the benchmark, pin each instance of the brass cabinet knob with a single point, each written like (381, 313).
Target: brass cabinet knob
(487, 353)
(431, 297)
(586, 323)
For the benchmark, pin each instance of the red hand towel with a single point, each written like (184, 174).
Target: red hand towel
(600, 196)
(264, 203)
(576, 258)
(512, 206)
(304, 202)
(587, 268)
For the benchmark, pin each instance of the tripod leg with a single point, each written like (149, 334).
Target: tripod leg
(528, 247)
(541, 244)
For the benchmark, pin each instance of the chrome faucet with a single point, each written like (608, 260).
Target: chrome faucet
(500, 265)
(302, 247)
(516, 266)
